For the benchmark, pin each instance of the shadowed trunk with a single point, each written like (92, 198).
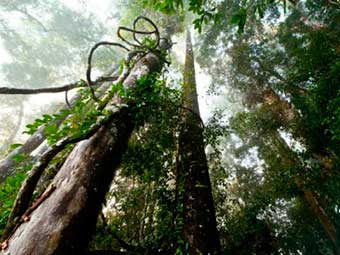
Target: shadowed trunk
(64, 221)
(199, 220)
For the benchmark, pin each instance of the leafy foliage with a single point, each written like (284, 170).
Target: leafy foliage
(9, 189)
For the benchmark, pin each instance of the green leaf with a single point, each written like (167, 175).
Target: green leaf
(239, 19)
(14, 146)
(260, 11)
(19, 158)
(235, 19)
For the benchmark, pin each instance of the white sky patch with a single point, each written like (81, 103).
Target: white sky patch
(291, 142)
(5, 57)
(277, 213)
(101, 9)
(48, 98)
(252, 160)
(206, 102)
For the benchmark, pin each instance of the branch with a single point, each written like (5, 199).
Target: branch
(31, 17)
(90, 83)
(13, 91)
(139, 46)
(78, 84)
(7, 164)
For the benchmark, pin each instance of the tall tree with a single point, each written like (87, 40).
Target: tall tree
(199, 220)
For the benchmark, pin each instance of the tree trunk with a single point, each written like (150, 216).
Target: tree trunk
(64, 221)
(199, 220)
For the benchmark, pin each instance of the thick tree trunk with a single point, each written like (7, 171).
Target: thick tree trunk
(64, 221)
(199, 220)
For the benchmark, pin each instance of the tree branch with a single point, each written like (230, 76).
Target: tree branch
(8, 90)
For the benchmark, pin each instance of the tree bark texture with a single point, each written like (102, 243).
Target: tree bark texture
(64, 221)
(199, 220)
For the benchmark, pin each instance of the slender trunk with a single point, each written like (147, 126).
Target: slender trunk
(141, 232)
(64, 221)
(199, 220)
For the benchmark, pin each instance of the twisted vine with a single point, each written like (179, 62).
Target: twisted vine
(139, 47)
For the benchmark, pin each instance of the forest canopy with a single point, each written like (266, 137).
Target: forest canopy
(169, 127)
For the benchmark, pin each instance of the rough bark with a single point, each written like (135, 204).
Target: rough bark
(25, 194)
(199, 220)
(64, 221)
(62, 224)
